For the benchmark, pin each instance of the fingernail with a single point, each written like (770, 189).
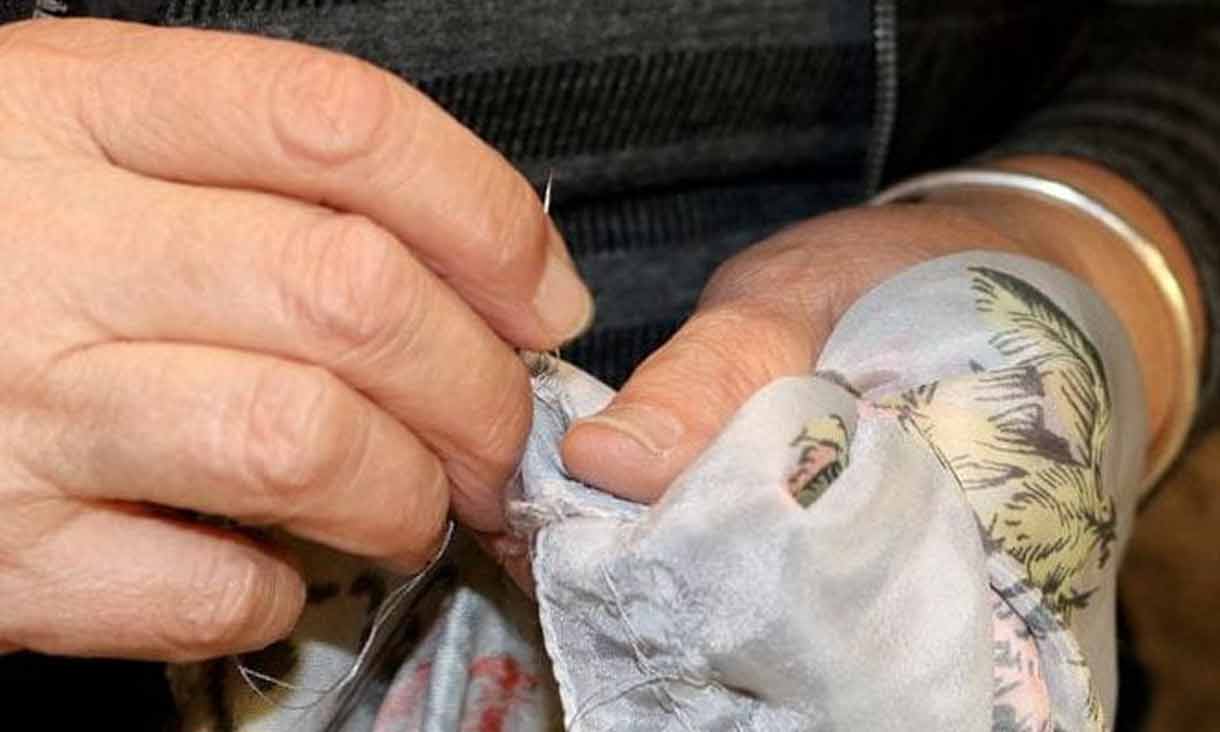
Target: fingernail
(655, 430)
(562, 300)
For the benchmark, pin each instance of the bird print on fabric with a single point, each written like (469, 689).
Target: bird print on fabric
(1025, 440)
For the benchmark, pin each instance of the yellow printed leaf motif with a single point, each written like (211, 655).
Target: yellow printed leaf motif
(1025, 441)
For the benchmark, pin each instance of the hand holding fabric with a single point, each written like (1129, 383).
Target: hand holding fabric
(767, 312)
(869, 547)
(244, 278)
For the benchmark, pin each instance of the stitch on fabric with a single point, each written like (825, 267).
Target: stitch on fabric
(597, 701)
(644, 664)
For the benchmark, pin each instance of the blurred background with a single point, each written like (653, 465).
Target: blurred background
(1170, 587)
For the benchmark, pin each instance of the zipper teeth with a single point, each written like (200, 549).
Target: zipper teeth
(885, 109)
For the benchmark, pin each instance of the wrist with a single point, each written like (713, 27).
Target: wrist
(1119, 271)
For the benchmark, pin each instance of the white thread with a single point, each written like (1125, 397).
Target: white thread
(391, 603)
(645, 665)
(541, 365)
(388, 608)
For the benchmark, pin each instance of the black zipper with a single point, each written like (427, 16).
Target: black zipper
(885, 106)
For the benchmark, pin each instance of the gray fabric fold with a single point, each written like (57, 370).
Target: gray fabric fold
(923, 534)
(731, 606)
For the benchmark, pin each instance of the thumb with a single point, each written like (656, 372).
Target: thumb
(682, 396)
(765, 314)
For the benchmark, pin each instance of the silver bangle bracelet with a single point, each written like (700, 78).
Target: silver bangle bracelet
(1165, 449)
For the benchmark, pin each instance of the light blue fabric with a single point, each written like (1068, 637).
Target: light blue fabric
(731, 606)
(970, 444)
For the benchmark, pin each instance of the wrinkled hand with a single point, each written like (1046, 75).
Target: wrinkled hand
(767, 313)
(252, 279)
(764, 314)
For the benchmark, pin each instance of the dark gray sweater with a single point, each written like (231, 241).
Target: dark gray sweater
(680, 131)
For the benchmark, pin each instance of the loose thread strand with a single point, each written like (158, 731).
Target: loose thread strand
(388, 608)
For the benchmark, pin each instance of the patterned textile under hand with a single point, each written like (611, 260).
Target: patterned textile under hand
(922, 533)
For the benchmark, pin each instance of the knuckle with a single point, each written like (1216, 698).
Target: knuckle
(751, 276)
(414, 532)
(725, 355)
(480, 471)
(752, 345)
(514, 236)
(227, 608)
(16, 43)
(40, 77)
(27, 37)
(289, 440)
(329, 109)
(505, 425)
(355, 292)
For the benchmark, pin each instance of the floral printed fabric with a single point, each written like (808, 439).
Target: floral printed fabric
(922, 535)
(1030, 394)
(1022, 701)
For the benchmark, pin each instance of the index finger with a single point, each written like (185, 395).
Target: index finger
(238, 111)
